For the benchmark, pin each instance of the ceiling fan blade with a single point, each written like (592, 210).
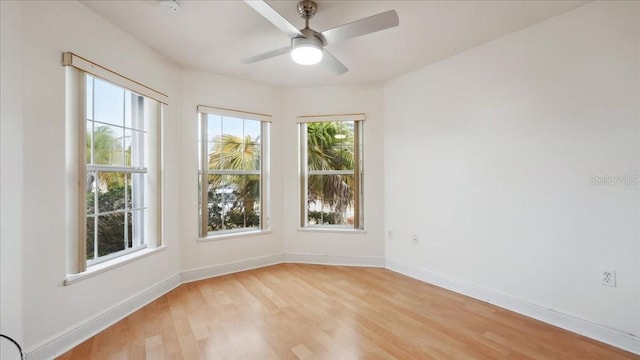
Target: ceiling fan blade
(274, 17)
(266, 55)
(385, 20)
(332, 64)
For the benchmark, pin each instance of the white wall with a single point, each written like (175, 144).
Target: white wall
(202, 88)
(47, 29)
(489, 154)
(486, 155)
(10, 176)
(355, 248)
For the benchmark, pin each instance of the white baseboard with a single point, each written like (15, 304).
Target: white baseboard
(66, 340)
(229, 268)
(373, 261)
(597, 332)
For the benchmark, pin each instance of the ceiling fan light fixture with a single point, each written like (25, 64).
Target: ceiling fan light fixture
(306, 51)
(169, 5)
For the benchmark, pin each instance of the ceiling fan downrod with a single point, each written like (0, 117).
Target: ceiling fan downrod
(307, 9)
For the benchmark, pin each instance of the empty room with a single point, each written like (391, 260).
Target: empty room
(191, 179)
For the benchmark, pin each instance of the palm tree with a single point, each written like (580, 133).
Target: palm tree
(105, 148)
(231, 152)
(330, 147)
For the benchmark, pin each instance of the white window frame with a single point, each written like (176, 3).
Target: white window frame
(77, 69)
(203, 172)
(357, 172)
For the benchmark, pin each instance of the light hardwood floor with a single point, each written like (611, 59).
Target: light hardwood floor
(291, 311)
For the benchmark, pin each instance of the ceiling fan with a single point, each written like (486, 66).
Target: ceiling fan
(307, 45)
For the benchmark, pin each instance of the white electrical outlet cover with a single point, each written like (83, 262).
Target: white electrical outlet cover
(608, 278)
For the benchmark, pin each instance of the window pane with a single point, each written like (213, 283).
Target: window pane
(329, 146)
(91, 186)
(111, 191)
(252, 131)
(214, 141)
(215, 202)
(110, 233)
(90, 239)
(232, 126)
(108, 103)
(251, 187)
(136, 144)
(129, 227)
(330, 199)
(107, 145)
(231, 149)
(240, 202)
(127, 141)
(89, 140)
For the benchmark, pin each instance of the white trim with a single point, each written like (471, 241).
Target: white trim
(233, 113)
(344, 260)
(331, 118)
(332, 229)
(230, 268)
(594, 331)
(73, 336)
(78, 62)
(230, 234)
(107, 265)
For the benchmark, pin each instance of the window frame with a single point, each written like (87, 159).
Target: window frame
(357, 172)
(263, 172)
(152, 101)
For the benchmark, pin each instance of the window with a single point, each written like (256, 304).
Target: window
(233, 158)
(115, 170)
(118, 150)
(331, 172)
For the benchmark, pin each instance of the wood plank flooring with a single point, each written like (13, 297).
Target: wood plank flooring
(294, 311)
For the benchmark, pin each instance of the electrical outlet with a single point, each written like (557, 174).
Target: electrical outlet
(390, 234)
(608, 278)
(414, 239)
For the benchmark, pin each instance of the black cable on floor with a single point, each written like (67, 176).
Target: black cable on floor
(14, 343)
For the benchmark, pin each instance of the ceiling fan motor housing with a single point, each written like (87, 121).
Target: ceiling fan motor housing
(307, 9)
(308, 41)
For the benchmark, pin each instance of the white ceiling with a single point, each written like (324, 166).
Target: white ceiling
(215, 35)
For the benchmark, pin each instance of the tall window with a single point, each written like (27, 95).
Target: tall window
(233, 157)
(115, 170)
(118, 149)
(331, 172)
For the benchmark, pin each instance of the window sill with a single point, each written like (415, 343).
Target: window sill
(332, 230)
(111, 264)
(231, 235)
